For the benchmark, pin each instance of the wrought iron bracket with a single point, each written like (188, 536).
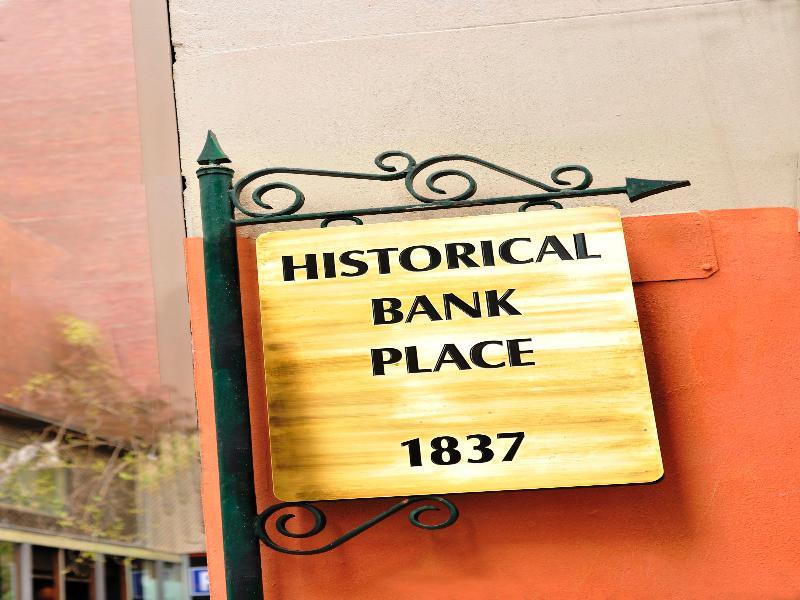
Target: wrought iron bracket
(434, 198)
(219, 223)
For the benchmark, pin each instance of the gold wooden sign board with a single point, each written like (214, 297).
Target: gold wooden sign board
(454, 355)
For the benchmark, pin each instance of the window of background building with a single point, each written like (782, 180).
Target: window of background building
(171, 582)
(37, 489)
(78, 575)
(45, 571)
(8, 571)
(115, 583)
(144, 580)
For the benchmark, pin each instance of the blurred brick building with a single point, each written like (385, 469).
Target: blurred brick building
(74, 243)
(72, 171)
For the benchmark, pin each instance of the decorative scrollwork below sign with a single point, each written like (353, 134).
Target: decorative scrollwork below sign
(320, 521)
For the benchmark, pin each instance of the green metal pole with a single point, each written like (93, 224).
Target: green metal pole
(231, 406)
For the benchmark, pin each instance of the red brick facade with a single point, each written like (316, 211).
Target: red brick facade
(73, 230)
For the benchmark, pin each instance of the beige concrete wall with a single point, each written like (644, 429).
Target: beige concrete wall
(707, 91)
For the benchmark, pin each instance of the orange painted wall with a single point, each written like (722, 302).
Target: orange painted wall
(717, 294)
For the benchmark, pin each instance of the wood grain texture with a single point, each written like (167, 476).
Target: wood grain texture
(585, 407)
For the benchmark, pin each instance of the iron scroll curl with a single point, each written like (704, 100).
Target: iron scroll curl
(390, 173)
(428, 504)
(472, 186)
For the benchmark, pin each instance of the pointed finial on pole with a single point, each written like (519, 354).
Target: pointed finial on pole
(212, 153)
(642, 188)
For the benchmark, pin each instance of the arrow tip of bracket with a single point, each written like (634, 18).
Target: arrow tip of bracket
(642, 188)
(212, 153)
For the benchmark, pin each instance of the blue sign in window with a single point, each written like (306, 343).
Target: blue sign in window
(198, 581)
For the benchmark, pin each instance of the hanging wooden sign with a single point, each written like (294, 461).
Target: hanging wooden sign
(454, 355)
